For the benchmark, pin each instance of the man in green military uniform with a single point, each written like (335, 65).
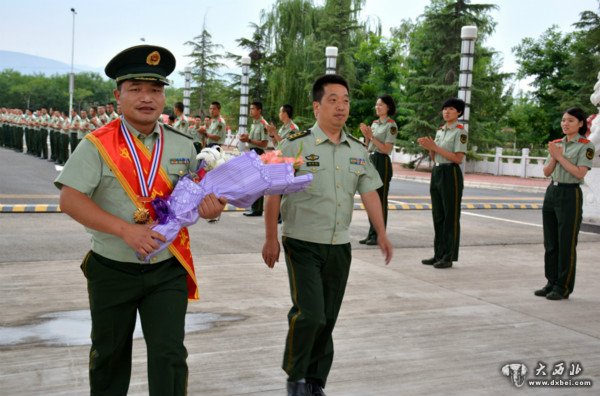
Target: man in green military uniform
(101, 190)
(286, 113)
(216, 132)
(316, 232)
(257, 141)
(446, 188)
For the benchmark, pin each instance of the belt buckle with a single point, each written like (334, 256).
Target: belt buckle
(555, 183)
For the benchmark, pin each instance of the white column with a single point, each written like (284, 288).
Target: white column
(244, 91)
(187, 91)
(331, 54)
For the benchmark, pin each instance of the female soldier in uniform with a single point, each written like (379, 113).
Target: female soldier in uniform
(568, 162)
(380, 138)
(448, 150)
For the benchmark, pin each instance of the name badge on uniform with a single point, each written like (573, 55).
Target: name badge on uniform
(311, 160)
(357, 161)
(175, 161)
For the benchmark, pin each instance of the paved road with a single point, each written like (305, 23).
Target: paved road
(28, 180)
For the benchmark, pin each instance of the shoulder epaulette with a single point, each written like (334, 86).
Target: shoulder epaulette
(299, 134)
(557, 140)
(390, 120)
(292, 126)
(460, 126)
(355, 139)
(221, 120)
(263, 121)
(583, 140)
(170, 128)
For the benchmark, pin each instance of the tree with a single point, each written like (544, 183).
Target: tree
(433, 69)
(206, 62)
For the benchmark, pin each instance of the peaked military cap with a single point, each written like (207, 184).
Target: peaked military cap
(142, 62)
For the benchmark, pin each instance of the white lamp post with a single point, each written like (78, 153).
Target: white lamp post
(244, 91)
(331, 54)
(72, 74)
(186, 91)
(468, 34)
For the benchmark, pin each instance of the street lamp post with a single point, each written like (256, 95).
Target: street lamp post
(186, 91)
(72, 75)
(331, 54)
(468, 34)
(244, 91)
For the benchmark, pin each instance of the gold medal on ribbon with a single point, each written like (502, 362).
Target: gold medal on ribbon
(141, 216)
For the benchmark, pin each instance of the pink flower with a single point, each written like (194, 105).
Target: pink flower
(276, 157)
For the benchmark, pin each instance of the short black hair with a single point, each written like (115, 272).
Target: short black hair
(318, 89)
(580, 115)
(257, 104)
(216, 104)
(458, 104)
(179, 106)
(389, 101)
(288, 109)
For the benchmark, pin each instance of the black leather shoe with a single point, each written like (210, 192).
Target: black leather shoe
(315, 388)
(252, 214)
(543, 292)
(553, 295)
(442, 264)
(429, 261)
(298, 389)
(363, 241)
(371, 242)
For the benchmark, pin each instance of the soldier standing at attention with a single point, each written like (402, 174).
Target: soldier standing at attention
(446, 188)
(257, 141)
(380, 139)
(315, 237)
(216, 132)
(181, 121)
(286, 113)
(569, 160)
(101, 189)
(110, 110)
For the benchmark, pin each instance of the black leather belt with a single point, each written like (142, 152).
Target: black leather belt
(571, 185)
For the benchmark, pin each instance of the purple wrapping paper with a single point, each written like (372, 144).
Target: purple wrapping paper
(242, 180)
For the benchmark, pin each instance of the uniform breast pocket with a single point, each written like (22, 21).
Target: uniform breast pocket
(351, 177)
(319, 181)
(175, 171)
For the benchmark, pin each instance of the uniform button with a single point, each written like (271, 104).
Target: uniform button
(337, 167)
(337, 185)
(148, 147)
(181, 172)
(153, 259)
(339, 204)
(333, 240)
(337, 222)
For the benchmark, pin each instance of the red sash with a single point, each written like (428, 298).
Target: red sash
(112, 147)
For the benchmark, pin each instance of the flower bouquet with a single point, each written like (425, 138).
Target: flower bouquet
(241, 180)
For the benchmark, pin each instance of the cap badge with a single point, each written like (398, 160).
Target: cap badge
(153, 58)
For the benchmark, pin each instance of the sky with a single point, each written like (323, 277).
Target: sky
(104, 28)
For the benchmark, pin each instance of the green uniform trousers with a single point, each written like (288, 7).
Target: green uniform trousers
(317, 274)
(117, 291)
(383, 164)
(561, 214)
(257, 206)
(446, 190)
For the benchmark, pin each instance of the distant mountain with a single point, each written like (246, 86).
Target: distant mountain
(31, 64)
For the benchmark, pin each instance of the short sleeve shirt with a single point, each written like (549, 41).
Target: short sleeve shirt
(286, 129)
(217, 127)
(579, 152)
(322, 213)
(86, 172)
(453, 138)
(385, 131)
(258, 131)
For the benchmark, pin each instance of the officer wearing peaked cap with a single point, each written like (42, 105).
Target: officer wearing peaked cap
(101, 189)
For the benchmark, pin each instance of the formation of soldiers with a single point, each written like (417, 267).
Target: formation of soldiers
(53, 135)
(50, 134)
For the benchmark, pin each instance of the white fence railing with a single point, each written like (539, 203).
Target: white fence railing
(495, 164)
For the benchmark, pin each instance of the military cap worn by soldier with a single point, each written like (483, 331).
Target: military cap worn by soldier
(101, 189)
